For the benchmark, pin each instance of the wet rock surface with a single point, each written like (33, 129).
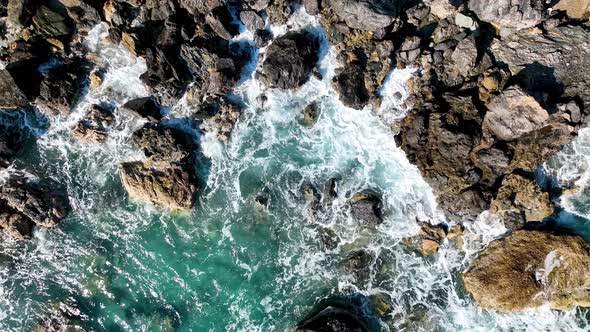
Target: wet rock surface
(94, 127)
(333, 319)
(290, 60)
(529, 269)
(27, 202)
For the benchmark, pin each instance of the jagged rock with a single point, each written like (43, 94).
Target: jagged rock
(512, 114)
(25, 202)
(262, 38)
(561, 56)
(94, 127)
(160, 143)
(61, 85)
(10, 95)
(442, 8)
(366, 206)
(368, 15)
(350, 85)
(221, 22)
(512, 14)
(219, 117)
(519, 201)
(529, 269)
(251, 20)
(310, 115)
(579, 9)
(333, 319)
(290, 60)
(430, 237)
(146, 107)
(50, 23)
(162, 184)
(167, 76)
(358, 261)
(11, 142)
(279, 11)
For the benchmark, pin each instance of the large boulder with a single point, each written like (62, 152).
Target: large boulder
(160, 143)
(512, 14)
(530, 269)
(579, 9)
(367, 207)
(290, 60)
(368, 15)
(512, 114)
(561, 55)
(26, 202)
(168, 185)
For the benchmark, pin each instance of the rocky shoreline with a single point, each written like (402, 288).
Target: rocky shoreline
(501, 86)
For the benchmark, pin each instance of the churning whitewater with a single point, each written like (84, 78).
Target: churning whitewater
(248, 257)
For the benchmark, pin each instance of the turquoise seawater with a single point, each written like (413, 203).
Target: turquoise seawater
(232, 264)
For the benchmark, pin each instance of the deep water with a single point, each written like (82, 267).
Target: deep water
(233, 264)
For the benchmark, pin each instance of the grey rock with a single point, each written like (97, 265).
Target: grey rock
(512, 14)
(563, 53)
(312, 7)
(251, 20)
(368, 15)
(290, 60)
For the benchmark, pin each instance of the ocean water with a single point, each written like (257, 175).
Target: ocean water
(233, 264)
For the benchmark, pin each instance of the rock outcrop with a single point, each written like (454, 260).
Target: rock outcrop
(333, 319)
(166, 177)
(529, 269)
(27, 202)
(290, 60)
(512, 14)
(93, 128)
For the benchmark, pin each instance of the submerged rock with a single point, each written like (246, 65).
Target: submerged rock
(529, 269)
(164, 184)
(335, 320)
(310, 115)
(290, 60)
(27, 202)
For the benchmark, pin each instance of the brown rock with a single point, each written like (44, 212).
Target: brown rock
(529, 269)
(520, 200)
(162, 184)
(575, 8)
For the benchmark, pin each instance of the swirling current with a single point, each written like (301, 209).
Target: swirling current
(233, 264)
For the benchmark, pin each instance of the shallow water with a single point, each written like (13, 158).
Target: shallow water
(232, 264)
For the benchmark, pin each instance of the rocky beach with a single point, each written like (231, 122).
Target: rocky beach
(304, 165)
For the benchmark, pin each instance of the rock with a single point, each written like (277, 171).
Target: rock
(312, 7)
(430, 237)
(262, 38)
(531, 268)
(159, 143)
(367, 207)
(442, 8)
(251, 20)
(579, 9)
(465, 55)
(146, 107)
(350, 85)
(50, 23)
(465, 21)
(512, 114)
(27, 202)
(96, 77)
(167, 185)
(519, 201)
(367, 15)
(221, 21)
(279, 11)
(557, 60)
(11, 142)
(220, 119)
(93, 128)
(310, 115)
(512, 14)
(333, 319)
(358, 261)
(61, 86)
(10, 95)
(290, 60)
